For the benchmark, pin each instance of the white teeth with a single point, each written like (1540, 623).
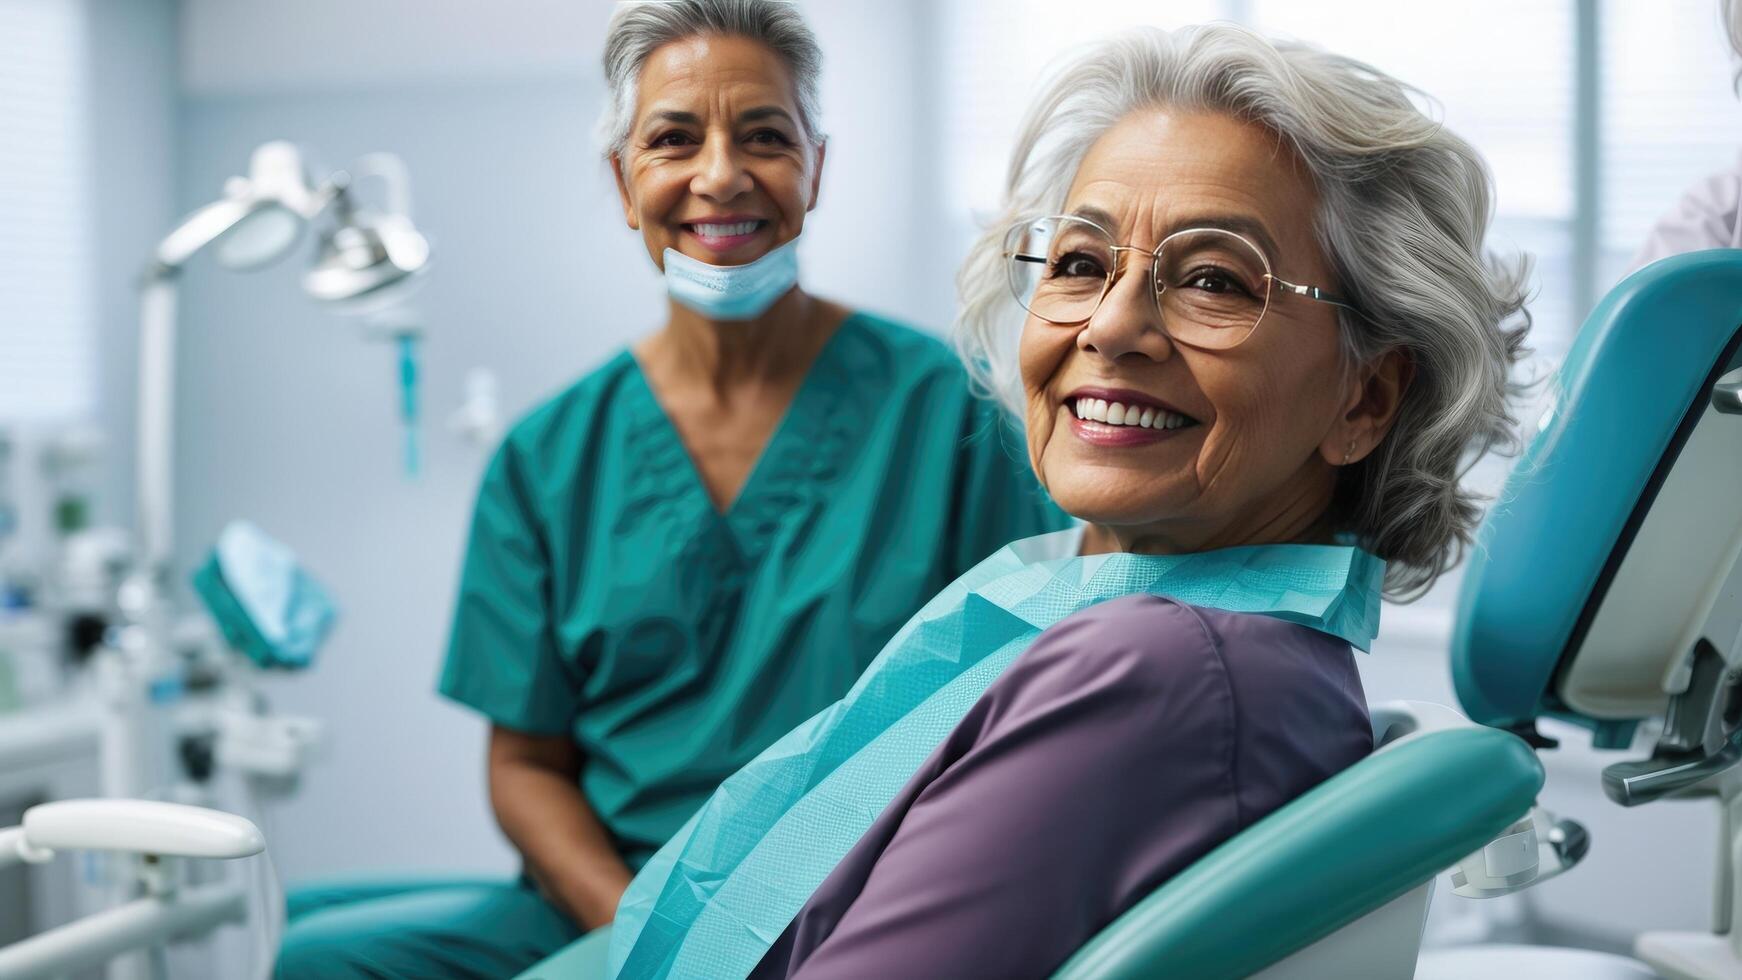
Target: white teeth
(1118, 413)
(726, 231)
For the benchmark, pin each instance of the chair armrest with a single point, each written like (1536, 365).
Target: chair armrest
(142, 826)
(584, 959)
(1356, 841)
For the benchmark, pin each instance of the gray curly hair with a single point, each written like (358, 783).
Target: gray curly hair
(1404, 206)
(639, 27)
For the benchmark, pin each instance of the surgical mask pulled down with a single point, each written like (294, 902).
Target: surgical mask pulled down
(731, 292)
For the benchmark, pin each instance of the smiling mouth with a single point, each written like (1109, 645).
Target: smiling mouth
(724, 231)
(1129, 414)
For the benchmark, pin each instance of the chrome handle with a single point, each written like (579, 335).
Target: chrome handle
(1570, 840)
(1727, 396)
(1644, 780)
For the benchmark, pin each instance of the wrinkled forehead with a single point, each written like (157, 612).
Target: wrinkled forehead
(696, 73)
(1160, 170)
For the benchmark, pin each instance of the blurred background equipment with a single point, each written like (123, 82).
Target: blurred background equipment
(166, 702)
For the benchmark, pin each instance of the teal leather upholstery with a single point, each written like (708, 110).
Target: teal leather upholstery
(1358, 840)
(583, 959)
(1626, 398)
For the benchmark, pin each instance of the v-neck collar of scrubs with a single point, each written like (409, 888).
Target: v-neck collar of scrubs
(808, 441)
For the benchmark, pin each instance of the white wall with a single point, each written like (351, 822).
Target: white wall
(287, 419)
(254, 47)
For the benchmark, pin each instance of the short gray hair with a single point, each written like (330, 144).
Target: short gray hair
(639, 27)
(1404, 206)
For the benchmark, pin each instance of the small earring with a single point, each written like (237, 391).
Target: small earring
(1350, 454)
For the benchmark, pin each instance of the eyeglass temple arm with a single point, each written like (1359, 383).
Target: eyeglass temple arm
(1312, 293)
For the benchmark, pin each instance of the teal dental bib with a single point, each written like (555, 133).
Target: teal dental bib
(713, 900)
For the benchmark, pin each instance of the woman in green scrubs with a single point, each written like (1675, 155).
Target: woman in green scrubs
(702, 543)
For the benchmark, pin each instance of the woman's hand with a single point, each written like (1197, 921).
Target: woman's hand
(536, 795)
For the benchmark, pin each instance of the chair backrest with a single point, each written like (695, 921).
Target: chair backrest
(1337, 882)
(1602, 560)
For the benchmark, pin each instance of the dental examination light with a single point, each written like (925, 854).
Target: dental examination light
(365, 254)
(261, 216)
(365, 261)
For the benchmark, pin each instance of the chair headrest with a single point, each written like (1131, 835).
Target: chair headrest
(1600, 561)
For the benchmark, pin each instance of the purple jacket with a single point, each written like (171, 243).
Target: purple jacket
(1127, 742)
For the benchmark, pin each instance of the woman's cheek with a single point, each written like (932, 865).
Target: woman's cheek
(1039, 430)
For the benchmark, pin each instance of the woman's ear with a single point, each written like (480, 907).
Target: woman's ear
(623, 193)
(1376, 392)
(817, 175)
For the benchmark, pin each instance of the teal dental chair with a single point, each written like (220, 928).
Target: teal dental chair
(1607, 591)
(1602, 592)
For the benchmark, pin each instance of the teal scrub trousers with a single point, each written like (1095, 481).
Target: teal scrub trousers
(415, 928)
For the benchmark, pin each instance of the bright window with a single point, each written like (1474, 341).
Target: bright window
(46, 358)
(1669, 116)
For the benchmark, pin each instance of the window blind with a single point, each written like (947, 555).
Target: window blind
(46, 362)
(1669, 115)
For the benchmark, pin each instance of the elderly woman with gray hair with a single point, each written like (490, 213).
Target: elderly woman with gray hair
(1239, 297)
(702, 542)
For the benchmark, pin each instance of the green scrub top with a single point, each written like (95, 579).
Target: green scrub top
(605, 597)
